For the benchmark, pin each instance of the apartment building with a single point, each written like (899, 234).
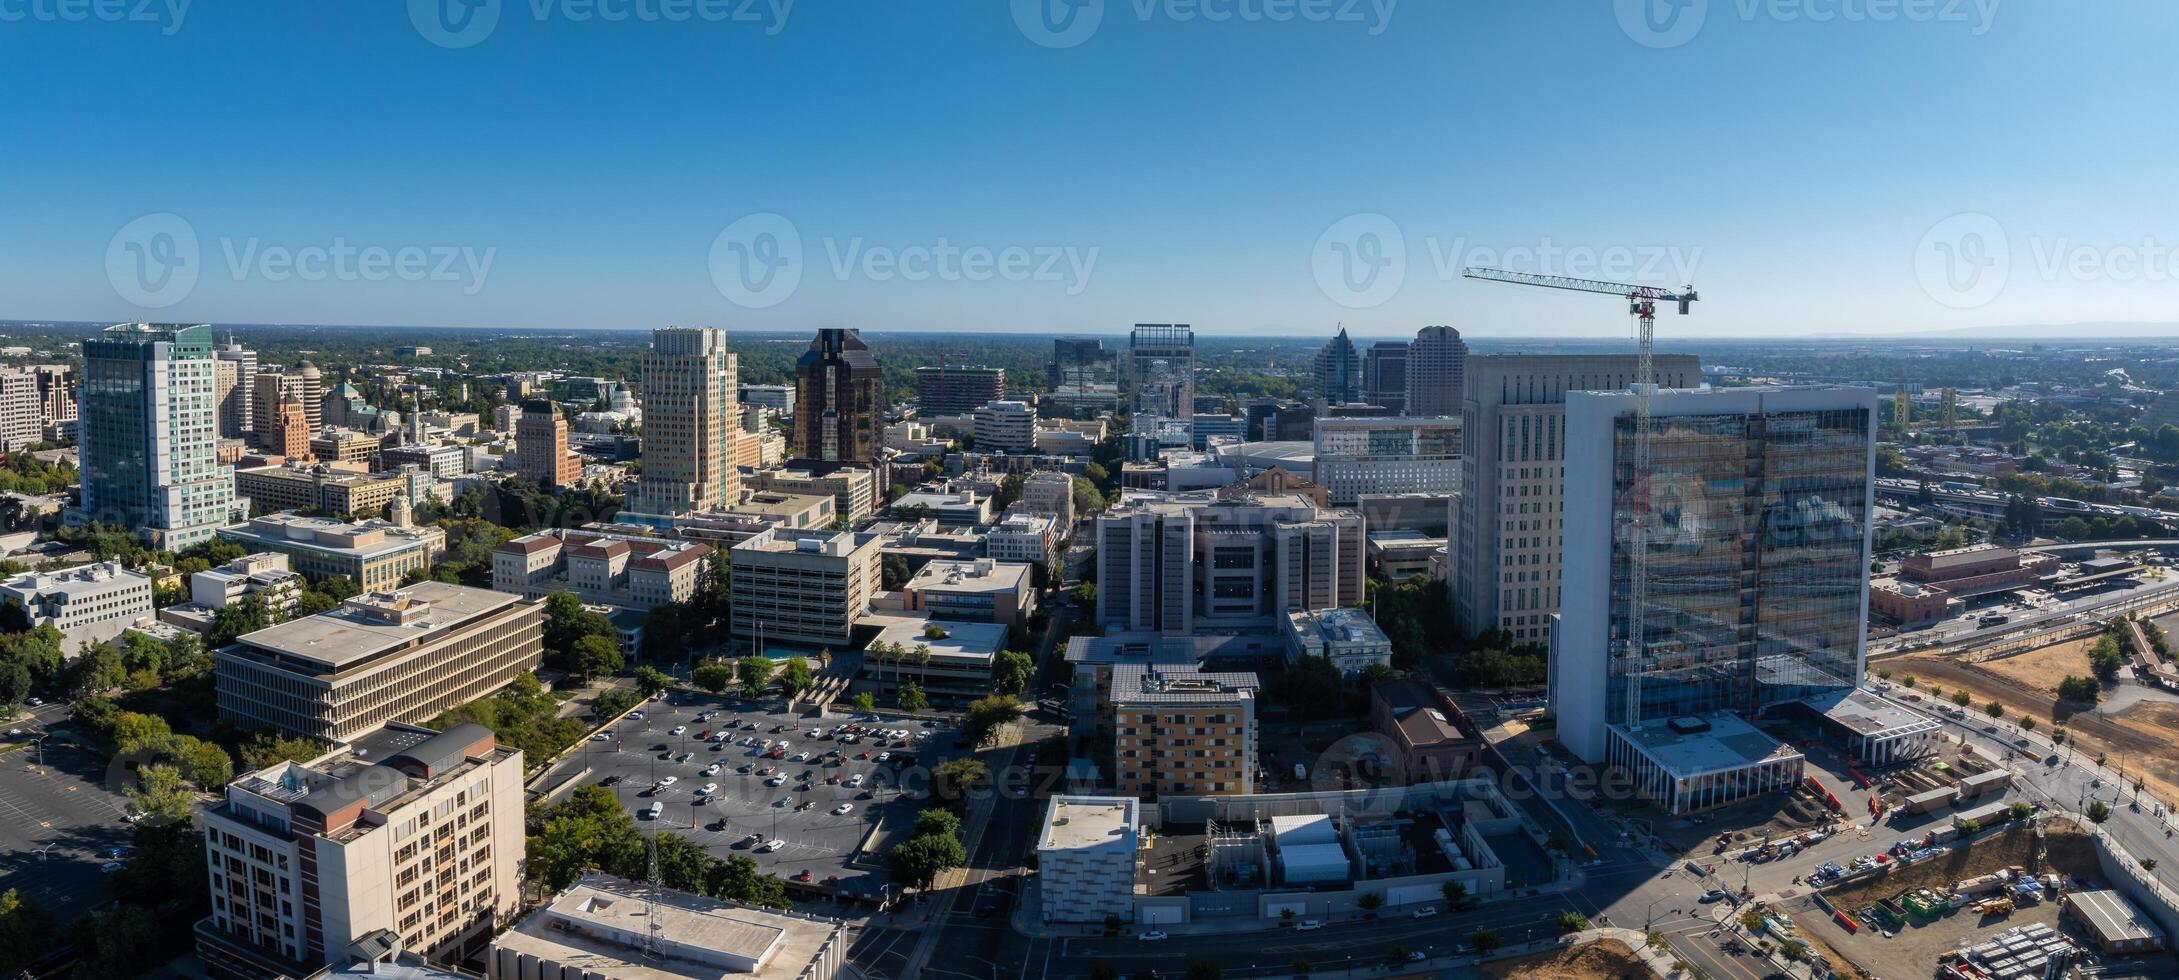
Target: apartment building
(1029, 538)
(149, 435)
(1182, 730)
(603, 926)
(957, 389)
(381, 657)
(802, 588)
(1049, 492)
(88, 603)
(1356, 457)
(1086, 858)
(612, 569)
(980, 591)
(234, 388)
(1006, 427)
(1177, 563)
(22, 417)
(376, 555)
(1508, 521)
(405, 836)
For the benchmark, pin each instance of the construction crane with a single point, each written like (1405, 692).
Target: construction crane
(1642, 304)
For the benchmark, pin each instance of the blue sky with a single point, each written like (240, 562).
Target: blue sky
(1801, 160)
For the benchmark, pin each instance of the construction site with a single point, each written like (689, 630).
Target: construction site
(1984, 909)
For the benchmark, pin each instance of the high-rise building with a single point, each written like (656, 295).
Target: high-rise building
(802, 588)
(691, 411)
(1006, 427)
(839, 400)
(269, 388)
(408, 839)
(1339, 371)
(1506, 529)
(1161, 361)
(21, 420)
(1193, 561)
(957, 390)
(540, 447)
(1384, 375)
(1082, 364)
(234, 385)
(1759, 503)
(288, 429)
(150, 435)
(1436, 372)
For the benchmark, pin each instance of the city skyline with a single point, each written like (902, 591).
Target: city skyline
(1907, 216)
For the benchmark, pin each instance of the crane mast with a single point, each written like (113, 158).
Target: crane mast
(1642, 304)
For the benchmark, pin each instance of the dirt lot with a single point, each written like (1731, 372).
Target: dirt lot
(2042, 669)
(2141, 736)
(1913, 950)
(2066, 849)
(1588, 961)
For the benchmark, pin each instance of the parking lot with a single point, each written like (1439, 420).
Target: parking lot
(753, 799)
(59, 821)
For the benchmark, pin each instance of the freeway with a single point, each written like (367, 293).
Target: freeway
(2050, 618)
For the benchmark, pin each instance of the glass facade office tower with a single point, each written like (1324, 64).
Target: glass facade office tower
(1161, 361)
(1339, 371)
(1758, 555)
(149, 418)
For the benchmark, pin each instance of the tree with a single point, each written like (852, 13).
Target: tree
(2073, 688)
(237, 619)
(2020, 811)
(2099, 811)
(26, 931)
(594, 656)
(133, 732)
(1962, 698)
(567, 621)
(910, 698)
(953, 781)
(1949, 537)
(1994, 709)
(1907, 682)
(2105, 658)
(613, 703)
(1454, 892)
(713, 675)
(1011, 672)
(2027, 724)
(1655, 940)
(1970, 826)
(96, 672)
(755, 674)
(2148, 864)
(1793, 950)
(1752, 921)
(795, 676)
(115, 942)
(205, 763)
(161, 793)
(936, 820)
(1484, 942)
(1370, 902)
(893, 573)
(987, 715)
(266, 750)
(650, 680)
(863, 702)
(2057, 736)
(1572, 922)
(918, 861)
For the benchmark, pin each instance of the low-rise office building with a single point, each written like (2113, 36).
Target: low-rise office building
(1349, 638)
(264, 574)
(381, 657)
(954, 508)
(981, 591)
(1086, 858)
(376, 555)
(612, 569)
(89, 604)
(407, 836)
(853, 487)
(1028, 538)
(344, 446)
(961, 655)
(325, 488)
(1433, 739)
(603, 926)
(1980, 570)
(802, 588)
(443, 462)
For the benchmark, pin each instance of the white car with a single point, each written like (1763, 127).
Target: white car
(679, 730)
(1153, 936)
(776, 780)
(801, 757)
(1309, 925)
(1423, 912)
(843, 809)
(783, 801)
(710, 788)
(884, 756)
(669, 780)
(711, 770)
(600, 737)
(772, 845)
(855, 780)
(655, 810)
(637, 715)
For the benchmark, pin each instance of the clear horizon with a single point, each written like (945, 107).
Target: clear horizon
(925, 168)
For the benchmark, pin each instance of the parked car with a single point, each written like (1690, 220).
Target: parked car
(652, 812)
(1423, 912)
(1153, 936)
(772, 845)
(843, 809)
(1309, 925)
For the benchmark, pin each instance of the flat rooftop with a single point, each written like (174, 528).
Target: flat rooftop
(1730, 743)
(2112, 917)
(1085, 821)
(965, 641)
(980, 575)
(346, 636)
(1867, 715)
(583, 926)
